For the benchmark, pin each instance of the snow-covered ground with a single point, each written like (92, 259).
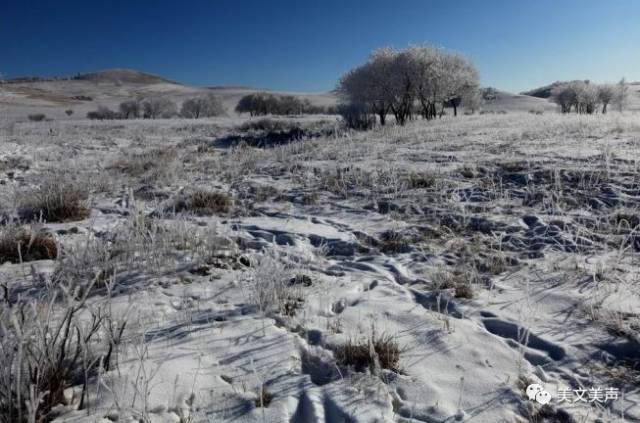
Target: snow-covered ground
(489, 252)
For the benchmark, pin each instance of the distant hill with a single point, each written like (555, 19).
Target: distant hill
(496, 101)
(85, 92)
(545, 91)
(123, 76)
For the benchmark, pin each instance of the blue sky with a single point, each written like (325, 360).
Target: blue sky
(306, 45)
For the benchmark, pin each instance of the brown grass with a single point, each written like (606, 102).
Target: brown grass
(21, 245)
(55, 201)
(383, 351)
(264, 397)
(206, 203)
(394, 242)
(417, 180)
(460, 281)
(151, 166)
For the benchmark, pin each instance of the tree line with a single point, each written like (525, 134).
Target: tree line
(262, 104)
(161, 107)
(585, 97)
(420, 80)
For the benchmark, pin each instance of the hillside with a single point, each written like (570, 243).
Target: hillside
(85, 92)
(509, 102)
(122, 76)
(546, 90)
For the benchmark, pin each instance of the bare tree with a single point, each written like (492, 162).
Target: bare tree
(206, 106)
(581, 96)
(587, 97)
(621, 97)
(130, 109)
(258, 104)
(473, 100)
(460, 78)
(606, 94)
(157, 107)
(563, 96)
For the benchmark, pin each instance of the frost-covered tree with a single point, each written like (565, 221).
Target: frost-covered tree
(585, 97)
(621, 97)
(158, 107)
(259, 104)
(564, 96)
(130, 109)
(473, 100)
(393, 81)
(205, 106)
(606, 94)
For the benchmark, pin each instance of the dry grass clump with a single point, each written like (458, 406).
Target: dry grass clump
(417, 180)
(264, 192)
(14, 162)
(464, 290)
(55, 201)
(394, 242)
(150, 165)
(19, 245)
(460, 282)
(204, 202)
(375, 352)
(47, 348)
(274, 286)
(264, 397)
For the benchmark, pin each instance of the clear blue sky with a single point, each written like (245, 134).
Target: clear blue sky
(307, 44)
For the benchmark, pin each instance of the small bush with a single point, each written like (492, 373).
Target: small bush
(38, 117)
(21, 245)
(55, 201)
(376, 352)
(69, 112)
(206, 203)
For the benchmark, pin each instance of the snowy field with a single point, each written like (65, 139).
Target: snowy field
(215, 270)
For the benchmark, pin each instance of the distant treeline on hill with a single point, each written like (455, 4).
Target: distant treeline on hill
(26, 79)
(261, 104)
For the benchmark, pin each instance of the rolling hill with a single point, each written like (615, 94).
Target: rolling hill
(122, 76)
